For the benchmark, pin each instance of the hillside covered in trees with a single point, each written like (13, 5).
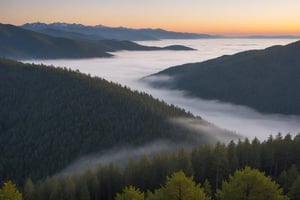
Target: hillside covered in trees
(50, 117)
(251, 170)
(19, 43)
(266, 80)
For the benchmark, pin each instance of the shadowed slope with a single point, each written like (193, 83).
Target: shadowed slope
(267, 80)
(50, 117)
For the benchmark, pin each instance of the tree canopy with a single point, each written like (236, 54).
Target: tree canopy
(9, 191)
(148, 173)
(179, 187)
(250, 184)
(43, 106)
(130, 193)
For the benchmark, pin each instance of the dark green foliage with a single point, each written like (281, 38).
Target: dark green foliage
(232, 157)
(29, 192)
(267, 80)
(294, 193)
(201, 158)
(207, 188)
(50, 116)
(149, 173)
(287, 177)
(219, 166)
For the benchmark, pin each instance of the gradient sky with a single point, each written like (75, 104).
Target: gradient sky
(271, 17)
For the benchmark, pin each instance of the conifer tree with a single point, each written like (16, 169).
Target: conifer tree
(250, 184)
(9, 191)
(130, 193)
(179, 187)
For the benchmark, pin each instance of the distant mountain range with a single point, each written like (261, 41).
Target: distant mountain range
(267, 80)
(19, 43)
(79, 31)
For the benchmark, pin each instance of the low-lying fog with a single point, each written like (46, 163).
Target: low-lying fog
(128, 67)
(202, 133)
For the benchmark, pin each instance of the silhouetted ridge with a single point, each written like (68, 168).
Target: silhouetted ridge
(104, 32)
(20, 43)
(267, 80)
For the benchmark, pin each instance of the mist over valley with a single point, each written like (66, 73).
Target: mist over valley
(127, 68)
(149, 100)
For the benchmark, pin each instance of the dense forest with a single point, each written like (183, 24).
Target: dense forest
(50, 117)
(217, 172)
(19, 43)
(266, 80)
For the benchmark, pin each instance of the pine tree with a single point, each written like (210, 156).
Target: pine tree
(250, 184)
(179, 187)
(130, 193)
(294, 193)
(9, 191)
(29, 190)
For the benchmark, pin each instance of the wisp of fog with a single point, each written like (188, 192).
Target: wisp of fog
(198, 130)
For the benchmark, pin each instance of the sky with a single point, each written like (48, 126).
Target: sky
(232, 17)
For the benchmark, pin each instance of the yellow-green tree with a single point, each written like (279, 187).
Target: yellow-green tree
(178, 187)
(9, 191)
(250, 184)
(130, 193)
(29, 190)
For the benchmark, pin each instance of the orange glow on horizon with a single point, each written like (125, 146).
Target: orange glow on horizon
(213, 26)
(220, 28)
(237, 31)
(256, 17)
(216, 29)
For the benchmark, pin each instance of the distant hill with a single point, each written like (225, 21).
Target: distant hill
(103, 32)
(65, 34)
(267, 80)
(19, 43)
(49, 117)
(117, 45)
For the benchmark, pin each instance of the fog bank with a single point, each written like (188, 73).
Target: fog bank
(127, 68)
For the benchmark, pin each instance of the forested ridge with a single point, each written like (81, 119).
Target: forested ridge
(51, 116)
(266, 80)
(220, 171)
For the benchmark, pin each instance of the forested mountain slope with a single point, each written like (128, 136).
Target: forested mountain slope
(267, 80)
(50, 117)
(210, 166)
